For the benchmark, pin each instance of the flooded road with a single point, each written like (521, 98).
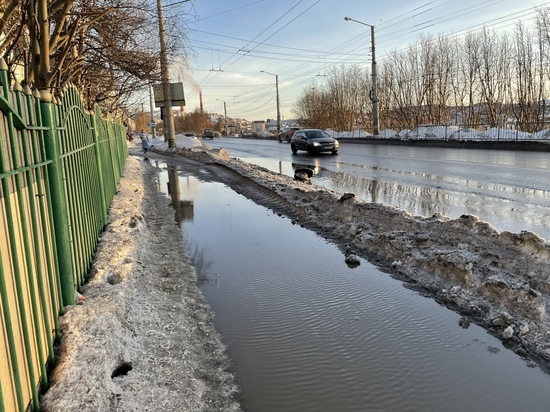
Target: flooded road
(308, 333)
(508, 189)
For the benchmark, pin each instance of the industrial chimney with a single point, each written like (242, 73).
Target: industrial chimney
(200, 100)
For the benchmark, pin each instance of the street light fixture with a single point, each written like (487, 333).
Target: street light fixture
(373, 97)
(225, 115)
(278, 103)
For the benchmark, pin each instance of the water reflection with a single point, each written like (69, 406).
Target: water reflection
(504, 209)
(424, 201)
(183, 209)
(316, 167)
(508, 190)
(171, 182)
(202, 263)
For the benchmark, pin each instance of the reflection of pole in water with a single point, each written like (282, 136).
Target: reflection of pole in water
(183, 209)
(374, 191)
(174, 192)
(157, 165)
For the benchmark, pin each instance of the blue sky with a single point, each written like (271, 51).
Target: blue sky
(299, 40)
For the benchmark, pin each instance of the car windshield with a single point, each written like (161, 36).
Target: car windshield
(316, 134)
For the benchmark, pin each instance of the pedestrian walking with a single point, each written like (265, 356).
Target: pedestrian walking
(144, 141)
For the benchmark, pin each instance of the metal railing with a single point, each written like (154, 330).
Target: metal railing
(59, 167)
(479, 132)
(474, 132)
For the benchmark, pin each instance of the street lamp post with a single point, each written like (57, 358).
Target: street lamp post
(278, 103)
(224, 115)
(373, 96)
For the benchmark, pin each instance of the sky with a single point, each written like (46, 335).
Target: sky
(299, 41)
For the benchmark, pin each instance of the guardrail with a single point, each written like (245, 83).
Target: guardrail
(59, 168)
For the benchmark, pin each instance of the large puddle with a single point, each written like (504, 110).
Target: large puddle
(307, 333)
(503, 206)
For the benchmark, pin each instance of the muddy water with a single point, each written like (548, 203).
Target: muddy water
(307, 333)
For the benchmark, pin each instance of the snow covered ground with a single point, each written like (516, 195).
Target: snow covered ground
(143, 337)
(142, 340)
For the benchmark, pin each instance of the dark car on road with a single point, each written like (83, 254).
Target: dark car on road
(286, 133)
(208, 133)
(313, 141)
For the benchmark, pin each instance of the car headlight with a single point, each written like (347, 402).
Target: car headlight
(336, 143)
(316, 144)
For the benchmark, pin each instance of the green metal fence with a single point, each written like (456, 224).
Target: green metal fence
(59, 168)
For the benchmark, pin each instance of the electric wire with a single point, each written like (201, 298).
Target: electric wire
(353, 56)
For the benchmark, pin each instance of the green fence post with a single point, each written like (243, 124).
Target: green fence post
(6, 313)
(59, 206)
(99, 161)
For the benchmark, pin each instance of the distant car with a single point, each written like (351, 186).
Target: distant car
(286, 133)
(189, 134)
(208, 133)
(313, 141)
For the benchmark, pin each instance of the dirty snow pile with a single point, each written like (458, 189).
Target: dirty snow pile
(498, 280)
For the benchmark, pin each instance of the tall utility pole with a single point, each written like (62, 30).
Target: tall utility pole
(168, 118)
(278, 102)
(373, 95)
(152, 109)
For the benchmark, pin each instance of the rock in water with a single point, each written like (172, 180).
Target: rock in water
(303, 174)
(351, 259)
(464, 322)
(508, 332)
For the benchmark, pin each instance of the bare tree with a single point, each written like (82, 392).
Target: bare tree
(107, 48)
(397, 77)
(530, 77)
(444, 71)
(462, 83)
(492, 62)
(194, 121)
(481, 78)
(115, 55)
(543, 35)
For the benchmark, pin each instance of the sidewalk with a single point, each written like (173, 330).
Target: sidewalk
(142, 340)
